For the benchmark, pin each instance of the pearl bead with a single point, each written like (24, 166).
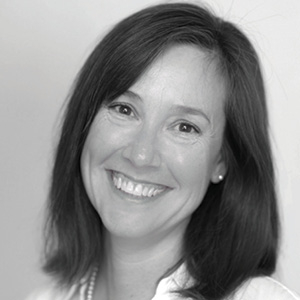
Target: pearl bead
(91, 284)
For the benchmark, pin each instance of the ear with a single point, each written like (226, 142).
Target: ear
(220, 170)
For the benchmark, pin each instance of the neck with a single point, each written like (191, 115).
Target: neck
(133, 267)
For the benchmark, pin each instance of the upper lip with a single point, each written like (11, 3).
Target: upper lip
(141, 181)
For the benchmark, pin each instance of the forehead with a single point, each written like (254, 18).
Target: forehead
(183, 74)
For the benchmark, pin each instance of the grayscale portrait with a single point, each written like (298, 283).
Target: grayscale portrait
(150, 149)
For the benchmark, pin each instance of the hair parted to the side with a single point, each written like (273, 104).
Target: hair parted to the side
(233, 235)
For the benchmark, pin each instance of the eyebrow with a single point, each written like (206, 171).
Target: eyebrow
(176, 108)
(191, 111)
(132, 94)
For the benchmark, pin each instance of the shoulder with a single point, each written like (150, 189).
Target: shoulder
(264, 288)
(44, 293)
(52, 292)
(256, 288)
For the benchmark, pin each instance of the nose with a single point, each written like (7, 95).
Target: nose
(142, 150)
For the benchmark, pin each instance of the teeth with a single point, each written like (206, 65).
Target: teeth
(129, 187)
(150, 193)
(123, 186)
(145, 191)
(136, 189)
(119, 183)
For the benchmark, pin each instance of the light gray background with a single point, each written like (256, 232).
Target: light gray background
(43, 43)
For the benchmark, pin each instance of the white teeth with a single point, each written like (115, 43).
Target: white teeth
(119, 183)
(145, 191)
(136, 189)
(123, 187)
(150, 193)
(129, 187)
(115, 181)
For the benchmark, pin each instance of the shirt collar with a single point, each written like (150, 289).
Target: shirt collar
(178, 280)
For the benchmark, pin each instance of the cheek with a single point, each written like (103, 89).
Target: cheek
(95, 151)
(193, 172)
(191, 165)
(102, 141)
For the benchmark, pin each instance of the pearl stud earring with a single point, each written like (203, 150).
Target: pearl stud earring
(221, 177)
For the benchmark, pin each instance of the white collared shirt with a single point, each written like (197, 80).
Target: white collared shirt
(258, 288)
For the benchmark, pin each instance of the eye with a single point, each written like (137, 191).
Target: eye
(187, 128)
(123, 109)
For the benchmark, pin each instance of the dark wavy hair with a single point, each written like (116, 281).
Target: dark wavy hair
(233, 235)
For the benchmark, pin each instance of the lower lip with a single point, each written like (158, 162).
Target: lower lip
(130, 197)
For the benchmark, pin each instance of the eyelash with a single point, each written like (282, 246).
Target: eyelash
(192, 128)
(117, 107)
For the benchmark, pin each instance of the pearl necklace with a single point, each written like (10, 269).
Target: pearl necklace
(91, 284)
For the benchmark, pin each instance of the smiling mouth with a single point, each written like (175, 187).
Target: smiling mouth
(123, 183)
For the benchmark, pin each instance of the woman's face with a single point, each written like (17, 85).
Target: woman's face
(151, 153)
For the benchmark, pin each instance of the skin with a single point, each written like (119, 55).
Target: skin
(165, 132)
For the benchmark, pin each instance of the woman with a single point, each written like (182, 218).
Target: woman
(163, 183)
